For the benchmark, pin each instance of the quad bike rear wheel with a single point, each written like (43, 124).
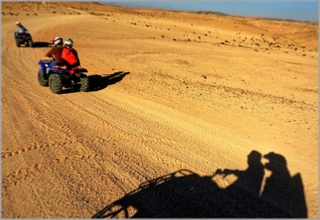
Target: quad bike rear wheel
(17, 42)
(42, 79)
(30, 43)
(85, 86)
(55, 83)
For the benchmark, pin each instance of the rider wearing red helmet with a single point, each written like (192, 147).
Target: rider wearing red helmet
(55, 52)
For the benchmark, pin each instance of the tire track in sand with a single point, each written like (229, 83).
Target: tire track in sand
(62, 143)
(18, 176)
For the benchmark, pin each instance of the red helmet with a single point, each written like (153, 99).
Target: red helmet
(57, 41)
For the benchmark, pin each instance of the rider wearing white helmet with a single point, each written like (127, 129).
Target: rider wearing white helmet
(20, 28)
(72, 57)
(68, 42)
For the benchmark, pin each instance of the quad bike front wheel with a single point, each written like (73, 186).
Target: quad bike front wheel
(42, 79)
(55, 83)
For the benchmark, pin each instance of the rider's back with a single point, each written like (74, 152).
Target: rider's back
(55, 52)
(70, 55)
(21, 29)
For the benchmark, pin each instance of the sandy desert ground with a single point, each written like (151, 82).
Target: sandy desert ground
(189, 115)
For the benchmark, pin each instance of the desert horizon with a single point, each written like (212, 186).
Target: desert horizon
(189, 114)
(214, 11)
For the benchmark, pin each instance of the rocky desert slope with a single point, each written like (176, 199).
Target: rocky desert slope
(189, 115)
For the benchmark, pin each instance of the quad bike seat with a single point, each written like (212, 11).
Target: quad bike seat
(72, 70)
(59, 67)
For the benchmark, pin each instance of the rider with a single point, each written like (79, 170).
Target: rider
(20, 28)
(55, 53)
(72, 57)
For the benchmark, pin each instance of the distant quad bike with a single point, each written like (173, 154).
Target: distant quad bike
(57, 78)
(23, 38)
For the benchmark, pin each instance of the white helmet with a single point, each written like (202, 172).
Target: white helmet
(57, 41)
(18, 23)
(68, 42)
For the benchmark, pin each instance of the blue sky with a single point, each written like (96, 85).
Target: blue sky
(298, 10)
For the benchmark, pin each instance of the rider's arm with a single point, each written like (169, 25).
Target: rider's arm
(76, 54)
(227, 172)
(23, 29)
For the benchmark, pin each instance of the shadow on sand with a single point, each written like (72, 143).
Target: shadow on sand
(184, 194)
(42, 44)
(98, 82)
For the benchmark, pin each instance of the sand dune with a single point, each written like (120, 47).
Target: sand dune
(175, 98)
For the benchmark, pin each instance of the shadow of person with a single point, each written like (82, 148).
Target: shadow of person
(99, 82)
(250, 179)
(282, 190)
(244, 194)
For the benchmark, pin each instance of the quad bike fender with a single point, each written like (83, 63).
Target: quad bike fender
(43, 67)
(71, 71)
(77, 70)
(23, 36)
(59, 69)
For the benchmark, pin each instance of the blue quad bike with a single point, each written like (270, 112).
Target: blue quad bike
(57, 79)
(23, 38)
